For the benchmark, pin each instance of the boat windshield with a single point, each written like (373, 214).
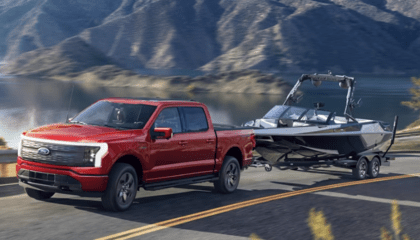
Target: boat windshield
(318, 116)
(276, 112)
(293, 113)
(297, 114)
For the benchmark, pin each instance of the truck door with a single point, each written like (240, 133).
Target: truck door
(167, 154)
(201, 143)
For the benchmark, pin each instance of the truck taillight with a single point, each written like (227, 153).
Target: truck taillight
(254, 142)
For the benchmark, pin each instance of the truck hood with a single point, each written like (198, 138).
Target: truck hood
(77, 133)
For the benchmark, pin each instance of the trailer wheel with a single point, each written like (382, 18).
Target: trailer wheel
(122, 188)
(38, 195)
(229, 176)
(373, 167)
(360, 170)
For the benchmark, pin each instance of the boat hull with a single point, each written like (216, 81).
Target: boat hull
(309, 145)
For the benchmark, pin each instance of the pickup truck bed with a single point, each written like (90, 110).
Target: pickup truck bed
(224, 127)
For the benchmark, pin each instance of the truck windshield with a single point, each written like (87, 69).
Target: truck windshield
(115, 115)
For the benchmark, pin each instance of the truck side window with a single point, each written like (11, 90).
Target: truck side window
(195, 119)
(169, 118)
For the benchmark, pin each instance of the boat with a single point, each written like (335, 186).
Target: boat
(295, 134)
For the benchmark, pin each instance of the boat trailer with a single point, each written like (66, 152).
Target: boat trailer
(363, 164)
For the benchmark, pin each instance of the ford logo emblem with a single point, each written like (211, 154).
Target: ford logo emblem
(43, 151)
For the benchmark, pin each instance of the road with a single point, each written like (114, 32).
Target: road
(272, 205)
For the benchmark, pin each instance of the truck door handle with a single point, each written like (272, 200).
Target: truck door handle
(210, 141)
(182, 143)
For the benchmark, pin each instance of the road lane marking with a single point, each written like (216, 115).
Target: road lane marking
(8, 184)
(12, 197)
(368, 198)
(215, 211)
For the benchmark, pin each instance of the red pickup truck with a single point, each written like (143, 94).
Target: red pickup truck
(117, 145)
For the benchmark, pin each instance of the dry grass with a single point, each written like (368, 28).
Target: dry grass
(405, 145)
(321, 230)
(7, 170)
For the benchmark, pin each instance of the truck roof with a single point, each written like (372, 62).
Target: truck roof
(151, 101)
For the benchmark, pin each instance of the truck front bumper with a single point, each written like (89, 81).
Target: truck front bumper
(62, 181)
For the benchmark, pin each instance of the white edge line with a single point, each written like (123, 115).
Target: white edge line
(8, 184)
(11, 197)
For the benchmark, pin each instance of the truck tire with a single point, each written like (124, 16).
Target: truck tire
(373, 167)
(229, 176)
(38, 195)
(360, 171)
(121, 189)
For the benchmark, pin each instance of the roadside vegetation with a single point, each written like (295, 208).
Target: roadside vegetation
(321, 229)
(402, 143)
(3, 144)
(414, 103)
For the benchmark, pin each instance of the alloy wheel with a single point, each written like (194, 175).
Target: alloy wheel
(125, 188)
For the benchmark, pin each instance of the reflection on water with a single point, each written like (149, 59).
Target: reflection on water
(28, 103)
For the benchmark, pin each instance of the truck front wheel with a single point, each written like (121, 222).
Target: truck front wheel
(38, 195)
(229, 175)
(122, 188)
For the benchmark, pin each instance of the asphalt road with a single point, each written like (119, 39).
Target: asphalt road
(354, 212)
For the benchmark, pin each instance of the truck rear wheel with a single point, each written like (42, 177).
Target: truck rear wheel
(229, 176)
(122, 188)
(39, 195)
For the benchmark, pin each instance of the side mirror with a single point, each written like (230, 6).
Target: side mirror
(161, 133)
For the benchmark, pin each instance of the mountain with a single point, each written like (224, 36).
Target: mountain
(369, 36)
(70, 56)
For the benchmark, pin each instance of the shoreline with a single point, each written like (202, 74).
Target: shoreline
(245, 81)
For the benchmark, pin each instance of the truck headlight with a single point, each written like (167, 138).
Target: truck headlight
(90, 155)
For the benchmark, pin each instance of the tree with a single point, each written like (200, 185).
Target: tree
(3, 144)
(414, 103)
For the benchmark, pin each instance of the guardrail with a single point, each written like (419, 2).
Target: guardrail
(8, 156)
(8, 160)
(408, 134)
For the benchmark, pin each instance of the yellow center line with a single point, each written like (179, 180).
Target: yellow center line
(215, 211)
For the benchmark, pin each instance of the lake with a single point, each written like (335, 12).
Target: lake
(28, 103)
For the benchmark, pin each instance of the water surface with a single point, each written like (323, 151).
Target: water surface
(28, 103)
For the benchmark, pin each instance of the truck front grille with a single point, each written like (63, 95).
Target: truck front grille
(58, 154)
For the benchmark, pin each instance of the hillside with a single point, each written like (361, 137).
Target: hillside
(70, 56)
(244, 81)
(368, 36)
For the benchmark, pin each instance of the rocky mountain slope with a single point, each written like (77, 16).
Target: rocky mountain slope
(70, 56)
(217, 35)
